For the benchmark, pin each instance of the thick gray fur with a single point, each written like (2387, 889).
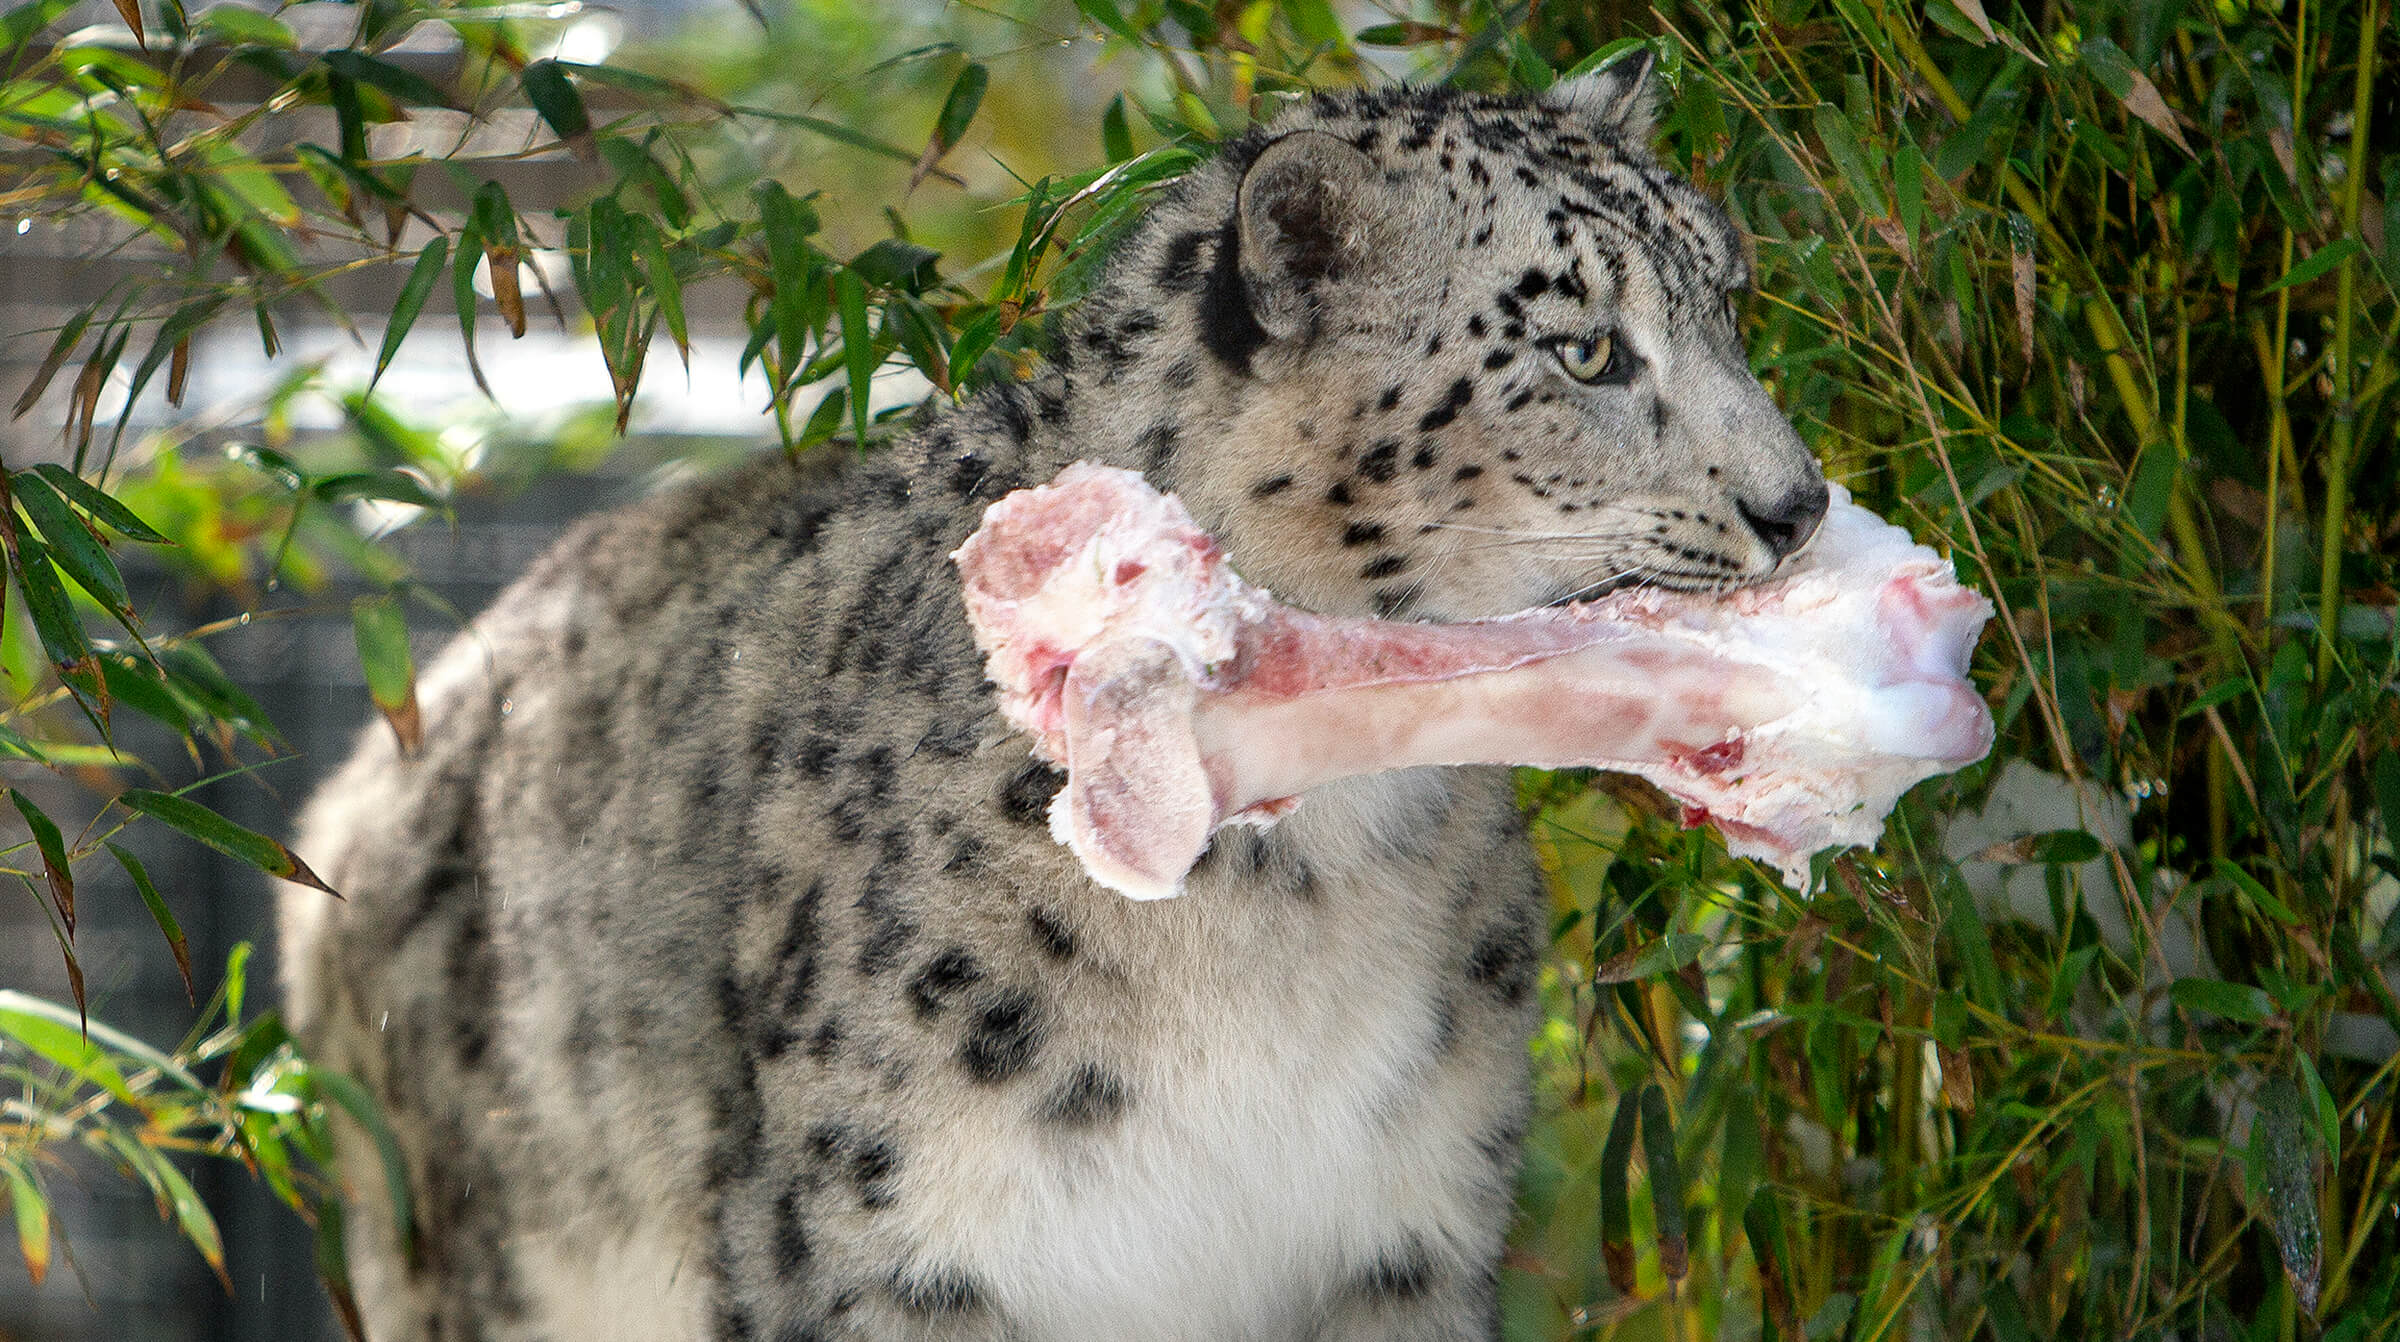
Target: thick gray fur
(713, 960)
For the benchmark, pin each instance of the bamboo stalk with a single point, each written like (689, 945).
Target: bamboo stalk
(2345, 409)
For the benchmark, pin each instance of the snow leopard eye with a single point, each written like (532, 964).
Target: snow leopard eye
(1598, 359)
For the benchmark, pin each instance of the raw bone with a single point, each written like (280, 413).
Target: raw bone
(1179, 698)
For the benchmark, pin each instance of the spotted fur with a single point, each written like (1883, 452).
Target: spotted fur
(713, 961)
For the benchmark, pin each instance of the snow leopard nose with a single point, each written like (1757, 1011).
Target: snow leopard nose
(1787, 523)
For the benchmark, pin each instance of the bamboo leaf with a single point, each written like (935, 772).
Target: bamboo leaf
(410, 88)
(354, 1099)
(388, 486)
(226, 837)
(958, 110)
(33, 1221)
(53, 849)
(1616, 1201)
(1109, 16)
(1116, 138)
(411, 301)
(60, 347)
(834, 130)
(666, 290)
(1666, 1183)
(791, 266)
(553, 95)
(496, 224)
(1762, 1225)
(72, 544)
(46, 600)
(159, 914)
(2318, 262)
(2233, 1001)
(381, 628)
(237, 26)
(462, 293)
(65, 1038)
(2115, 72)
(858, 346)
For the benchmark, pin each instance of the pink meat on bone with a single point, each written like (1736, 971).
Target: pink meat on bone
(1179, 698)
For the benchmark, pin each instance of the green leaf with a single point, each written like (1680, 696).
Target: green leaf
(1843, 147)
(1616, 1201)
(60, 1035)
(1762, 1225)
(53, 848)
(362, 1107)
(408, 87)
(896, 264)
(25, 20)
(831, 130)
(974, 340)
(2233, 1001)
(462, 294)
(553, 95)
(33, 1221)
(226, 837)
(191, 1214)
(2319, 261)
(1666, 1183)
(159, 914)
(2328, 1113)
(382, 631)
(2062, 848)
(958, 109)
(665, 289)
(177, 328)
(413, 293)
(236, 26)
(858, 346)
(1116, 138)
(196, 678)
(389, 486)
(1109, 16)
(61, 346)
(73, 546)
(104, 509)
(791, 264)
(53, 615)
(2257, 893)
(826, 420)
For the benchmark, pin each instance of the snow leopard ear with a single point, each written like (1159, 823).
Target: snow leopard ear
(1312, 211)
(1620, 97)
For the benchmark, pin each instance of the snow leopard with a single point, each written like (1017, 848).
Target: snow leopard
(711, 959)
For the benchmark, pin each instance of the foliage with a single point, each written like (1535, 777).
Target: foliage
(2099, 296)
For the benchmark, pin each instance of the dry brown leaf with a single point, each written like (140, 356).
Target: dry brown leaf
(2143, 101)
